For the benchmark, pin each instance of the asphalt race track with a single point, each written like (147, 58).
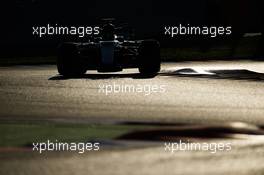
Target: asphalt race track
(191, 92)
(213, 92)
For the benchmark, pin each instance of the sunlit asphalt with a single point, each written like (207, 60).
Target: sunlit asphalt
(182, 92)
(212, 92)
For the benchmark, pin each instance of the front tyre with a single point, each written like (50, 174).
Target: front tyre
(68, 61)
(149, 57)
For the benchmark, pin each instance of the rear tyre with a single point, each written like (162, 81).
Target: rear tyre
(149, 57)
(68, 61)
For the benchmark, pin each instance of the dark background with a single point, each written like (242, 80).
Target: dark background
(148, 17)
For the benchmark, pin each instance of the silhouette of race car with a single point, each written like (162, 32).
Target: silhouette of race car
(108, 52)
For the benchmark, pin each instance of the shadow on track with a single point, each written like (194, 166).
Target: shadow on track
(103, 76)
(174, 132)
(231, 74)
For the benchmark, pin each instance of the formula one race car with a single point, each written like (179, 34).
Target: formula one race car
(108, 53)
